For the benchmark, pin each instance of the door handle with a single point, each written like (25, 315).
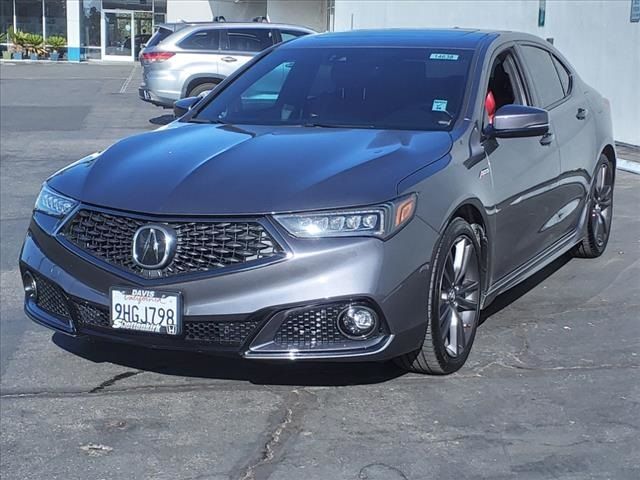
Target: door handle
(546, 139)
(582, 113)
(229, 59)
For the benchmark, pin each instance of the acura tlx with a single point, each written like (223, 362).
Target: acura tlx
(345, 196)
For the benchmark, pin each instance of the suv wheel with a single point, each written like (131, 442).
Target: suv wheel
(453, 311)
(198, 89)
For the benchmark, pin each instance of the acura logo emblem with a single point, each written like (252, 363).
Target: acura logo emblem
(153, 246)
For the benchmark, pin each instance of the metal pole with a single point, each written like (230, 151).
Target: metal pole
(44, 23)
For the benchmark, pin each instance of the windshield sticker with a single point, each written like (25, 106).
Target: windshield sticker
(444, 56)
(439, 105)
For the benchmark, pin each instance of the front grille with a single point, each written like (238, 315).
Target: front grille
(312, 328)
(218, 333)
(201, 246)
(221, 333)
(51, 298)
(91, 315)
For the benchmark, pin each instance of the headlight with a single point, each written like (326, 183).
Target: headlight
(377, 221)
(54, 204)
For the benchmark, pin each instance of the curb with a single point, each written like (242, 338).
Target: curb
(628, 166)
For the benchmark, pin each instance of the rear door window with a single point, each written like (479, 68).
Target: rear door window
(248, 39)
(565, 76)
(202, 40)
(544, 75)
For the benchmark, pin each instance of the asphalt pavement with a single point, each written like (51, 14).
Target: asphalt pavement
(551, 389)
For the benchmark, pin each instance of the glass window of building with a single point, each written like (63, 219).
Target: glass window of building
(6, 15)
(55, 16)
(90, 29)
(29, 16)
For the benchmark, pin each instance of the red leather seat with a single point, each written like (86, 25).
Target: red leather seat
(490, 105)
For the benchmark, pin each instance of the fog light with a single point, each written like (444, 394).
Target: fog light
(30, 287)
(357, 322)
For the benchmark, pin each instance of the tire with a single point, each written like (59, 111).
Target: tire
(198, 89)
(600, 217)
(455, 290)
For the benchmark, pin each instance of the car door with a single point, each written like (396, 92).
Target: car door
(240, 44)
(524, 172)
(199, 55)
(574, 131)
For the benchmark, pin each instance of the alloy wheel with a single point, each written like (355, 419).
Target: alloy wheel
(459, 296)
(601, 205)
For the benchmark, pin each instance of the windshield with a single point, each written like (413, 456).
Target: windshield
(385, 88)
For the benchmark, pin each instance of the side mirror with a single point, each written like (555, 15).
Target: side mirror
(519, 121)
(181, 107)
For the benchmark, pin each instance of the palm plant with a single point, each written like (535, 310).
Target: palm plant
(56, 42)
(34, 44)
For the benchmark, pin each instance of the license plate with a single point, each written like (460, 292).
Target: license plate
(146, 311)
(147, 95)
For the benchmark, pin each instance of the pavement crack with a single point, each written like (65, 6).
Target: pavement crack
(287, 425)
(116, 378)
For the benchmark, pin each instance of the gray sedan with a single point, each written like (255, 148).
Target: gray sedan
(346, 196)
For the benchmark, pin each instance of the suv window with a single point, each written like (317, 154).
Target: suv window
(202, 40)
(544, 75)
(291, 34)
(565, 76)
(248, 39)
(160, 34)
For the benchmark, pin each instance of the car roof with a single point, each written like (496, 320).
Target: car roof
(446, 38)
(182, 25)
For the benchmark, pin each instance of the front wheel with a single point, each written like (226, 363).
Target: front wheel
(453, 309)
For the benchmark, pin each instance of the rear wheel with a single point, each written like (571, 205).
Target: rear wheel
(600, 212)
(198, 89)
(453, 310)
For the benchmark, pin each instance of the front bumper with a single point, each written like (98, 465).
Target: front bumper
(244, 313)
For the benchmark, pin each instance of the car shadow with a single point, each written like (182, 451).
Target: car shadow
(504, 300)
(162, 119)
(200, 365)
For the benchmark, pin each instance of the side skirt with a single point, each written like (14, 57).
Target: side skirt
(537, 263)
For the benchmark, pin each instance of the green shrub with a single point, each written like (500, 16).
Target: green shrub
(56, 42)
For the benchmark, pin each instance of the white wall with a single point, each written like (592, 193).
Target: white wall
(308, 13)
(205, 10)
(190, 10)
(595, 35)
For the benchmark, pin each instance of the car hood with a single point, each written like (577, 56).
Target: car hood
(196, 169)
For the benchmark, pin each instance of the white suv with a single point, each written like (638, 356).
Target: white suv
(197, 57)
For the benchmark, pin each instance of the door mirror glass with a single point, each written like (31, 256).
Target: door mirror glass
(518, 121)
(181, 107)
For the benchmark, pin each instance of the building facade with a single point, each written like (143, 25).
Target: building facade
(601, 38)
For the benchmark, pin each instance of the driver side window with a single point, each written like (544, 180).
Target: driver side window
(505, 86)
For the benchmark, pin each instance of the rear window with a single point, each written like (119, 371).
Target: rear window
(386, 88)
(202, 40)
(159, 35)
(248, 39)
(291, 34)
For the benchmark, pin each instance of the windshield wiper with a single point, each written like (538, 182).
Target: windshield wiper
(334, 125)
(205, 120)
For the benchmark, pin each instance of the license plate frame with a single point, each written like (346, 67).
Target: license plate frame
(148, 311)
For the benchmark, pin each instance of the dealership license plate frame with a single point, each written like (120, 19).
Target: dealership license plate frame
(164, 329)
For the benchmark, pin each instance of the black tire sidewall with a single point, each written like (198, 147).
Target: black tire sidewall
(458, 227)
(203, 87)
